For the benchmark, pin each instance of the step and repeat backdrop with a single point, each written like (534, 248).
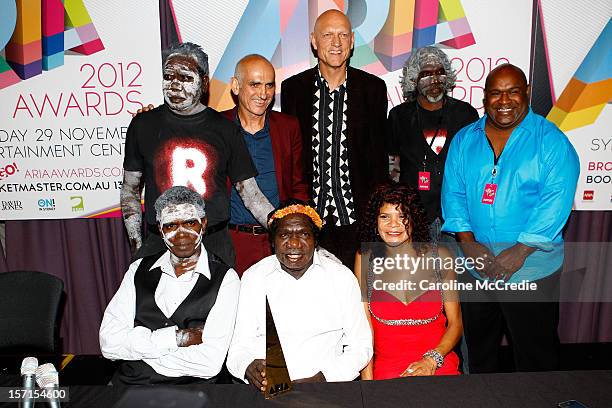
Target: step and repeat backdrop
(72, 73)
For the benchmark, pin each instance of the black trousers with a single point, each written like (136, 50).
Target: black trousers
(531, 327)
(342, 241)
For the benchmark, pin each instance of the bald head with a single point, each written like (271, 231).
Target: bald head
(249, 61)
(254, 85)
(503, 70)
(506, 98)
(334, 17)
(333, 40)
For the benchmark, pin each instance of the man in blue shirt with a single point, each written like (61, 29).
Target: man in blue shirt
(508, 189)
(275, 145)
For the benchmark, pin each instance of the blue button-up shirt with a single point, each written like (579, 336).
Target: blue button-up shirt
(260, 148)
(536, 177)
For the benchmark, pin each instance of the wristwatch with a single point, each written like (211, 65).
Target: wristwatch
(437, 357)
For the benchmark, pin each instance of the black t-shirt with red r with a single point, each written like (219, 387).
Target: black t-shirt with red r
(198, 151)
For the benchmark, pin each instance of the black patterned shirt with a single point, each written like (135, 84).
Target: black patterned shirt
(330, 179)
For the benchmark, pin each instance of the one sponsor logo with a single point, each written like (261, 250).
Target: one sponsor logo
(12, 205)
(46, 204)
(587, 195)
(77, 203)
(8, 170)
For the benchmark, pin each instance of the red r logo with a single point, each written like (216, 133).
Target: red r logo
(186, 162)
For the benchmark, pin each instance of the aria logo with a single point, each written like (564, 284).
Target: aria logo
(36, 35)
(46, 204)
(588, 195)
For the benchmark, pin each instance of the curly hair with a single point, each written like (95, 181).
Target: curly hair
(409, 202)
(414, 65)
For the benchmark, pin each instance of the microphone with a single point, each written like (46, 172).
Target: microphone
(28, 369)
(47, 379)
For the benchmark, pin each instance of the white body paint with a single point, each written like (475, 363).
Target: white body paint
(189, 92)
(425, 83)
(130, 206)
(181, 212)
(254, 200)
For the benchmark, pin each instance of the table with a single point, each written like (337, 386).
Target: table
(506, 390)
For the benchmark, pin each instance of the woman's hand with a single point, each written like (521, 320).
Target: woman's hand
(423, 367)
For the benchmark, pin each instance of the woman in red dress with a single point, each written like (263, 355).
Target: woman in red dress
(415, 324)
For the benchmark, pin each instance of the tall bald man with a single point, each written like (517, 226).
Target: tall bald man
(342, 113)
(275, 145)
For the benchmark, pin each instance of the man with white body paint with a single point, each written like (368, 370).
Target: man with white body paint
(172, 318)
(419, 130)
(183, 142)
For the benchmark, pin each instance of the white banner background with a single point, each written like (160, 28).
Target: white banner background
(502, 31)
(571, 30)
(80, 174)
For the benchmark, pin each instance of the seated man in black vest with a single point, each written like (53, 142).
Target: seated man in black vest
(172, 319)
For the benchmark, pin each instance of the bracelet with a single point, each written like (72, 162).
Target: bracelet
(437, 357)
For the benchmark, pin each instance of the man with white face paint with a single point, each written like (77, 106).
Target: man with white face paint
(183, 142)
(419, 130)
(172, 319)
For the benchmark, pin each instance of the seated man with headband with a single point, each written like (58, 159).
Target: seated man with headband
(172, 319)
(315, 303)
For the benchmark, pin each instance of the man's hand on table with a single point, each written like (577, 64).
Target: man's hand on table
(256, 374)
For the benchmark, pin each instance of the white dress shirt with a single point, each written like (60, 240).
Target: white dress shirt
(319, 318)
(120, 340)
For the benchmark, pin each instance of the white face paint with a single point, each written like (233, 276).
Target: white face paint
(432, 87)
(180, 213)
(432, 80)
(182, 84)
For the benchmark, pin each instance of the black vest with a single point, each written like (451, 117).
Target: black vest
(192, 312)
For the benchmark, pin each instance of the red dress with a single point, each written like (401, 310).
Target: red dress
(396, 346)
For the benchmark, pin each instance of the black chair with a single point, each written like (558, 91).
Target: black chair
(29, 305)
